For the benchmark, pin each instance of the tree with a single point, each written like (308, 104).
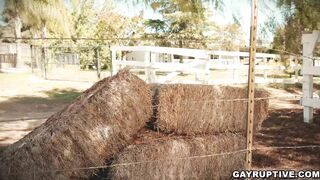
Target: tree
(42, 15)
(181, 19)
(229, 36)
(14, 10)
(38, 15)
(99, 23)
(188, 20)
(299, 16)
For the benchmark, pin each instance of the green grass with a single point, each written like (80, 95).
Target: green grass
(62, 95)
(55, 96)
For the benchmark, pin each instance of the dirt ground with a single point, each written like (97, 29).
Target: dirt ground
(24, 108)
(30, 99)
(285, 128)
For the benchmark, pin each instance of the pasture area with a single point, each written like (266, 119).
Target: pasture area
(27, 100)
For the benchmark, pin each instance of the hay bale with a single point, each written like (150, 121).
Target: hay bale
(202, 109)
(180, 158)
(94, 128)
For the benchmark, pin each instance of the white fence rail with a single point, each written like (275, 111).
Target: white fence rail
(199, 63)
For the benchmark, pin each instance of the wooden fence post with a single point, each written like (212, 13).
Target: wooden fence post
(308, 41)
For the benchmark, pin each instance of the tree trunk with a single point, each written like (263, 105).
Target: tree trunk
(44, 51)
(37, 59)
(17, 30)
(180, 57)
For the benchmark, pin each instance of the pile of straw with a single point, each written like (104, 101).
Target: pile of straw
(93, 129)
(180, 158)
(203, 109)
(196, 123)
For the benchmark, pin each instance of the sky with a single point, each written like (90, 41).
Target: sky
(1, 10)
(238, 8)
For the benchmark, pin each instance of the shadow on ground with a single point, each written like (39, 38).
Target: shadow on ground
(20, 115)
(52, 101)
(285, 127)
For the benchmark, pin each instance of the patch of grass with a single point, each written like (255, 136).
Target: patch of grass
(62, 95)
(276, 86)
(54, 96)
(280, 76)
(285, 86)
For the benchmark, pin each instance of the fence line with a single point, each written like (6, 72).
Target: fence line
(181, 158)
(288, 147)
(297, 97)
(167, 159)
(152, 38)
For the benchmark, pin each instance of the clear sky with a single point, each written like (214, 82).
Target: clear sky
(237, 8)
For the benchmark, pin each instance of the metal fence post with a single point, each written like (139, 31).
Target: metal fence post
(251, 83)
(98, 63)
(32, 58)
(44, 63)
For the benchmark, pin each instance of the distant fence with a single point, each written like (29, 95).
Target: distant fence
(8, 58)
(67, 59)
(8, 55)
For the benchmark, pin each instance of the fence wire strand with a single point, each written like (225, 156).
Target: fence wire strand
(155, 106)
(152, 39)
(170, 159)
(297, 97)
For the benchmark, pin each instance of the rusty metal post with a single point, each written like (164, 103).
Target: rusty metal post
(251, 83)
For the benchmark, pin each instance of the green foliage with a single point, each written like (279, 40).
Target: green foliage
(181, 18)
(185, 21)
(37, 14)
(299, 16)
(106, 27)
(306, 12)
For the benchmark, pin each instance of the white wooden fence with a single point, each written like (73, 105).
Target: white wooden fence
(310, 69)
(195, 61)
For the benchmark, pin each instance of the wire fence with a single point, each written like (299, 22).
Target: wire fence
(136, 163)
(290, 97)
(89, 59)
(109, 41)
(58, 64)
(36, 172)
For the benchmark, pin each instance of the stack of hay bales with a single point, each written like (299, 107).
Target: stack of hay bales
(194, 122)
(93, 129)
(108, 123)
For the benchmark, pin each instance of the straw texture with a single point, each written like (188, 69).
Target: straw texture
(93, 129)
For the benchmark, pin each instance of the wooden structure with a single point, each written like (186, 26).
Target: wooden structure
(9, 53)
(309, 42)
(8, 60)
(150, 59)
(165, 60)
